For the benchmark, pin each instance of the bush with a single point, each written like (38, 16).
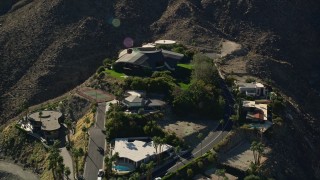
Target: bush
(100, 69)
(250, 80)
(107, 62)
(252, 177)
(200, 164)
(190, 172)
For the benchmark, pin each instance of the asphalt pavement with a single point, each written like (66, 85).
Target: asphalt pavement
(96, 147)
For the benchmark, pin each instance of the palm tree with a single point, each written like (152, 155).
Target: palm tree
(69, 126)
(257, 148)
(149, 168)
(108, 160)
(119, 96)
(162, 142)
(54, 157)
(135, 176)
(40, 116)
(156, 143)
(76, 155)
(177, 152)
(60, 167)
(84, 130)
(53, 162)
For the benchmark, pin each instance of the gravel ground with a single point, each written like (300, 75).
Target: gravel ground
(12, 171)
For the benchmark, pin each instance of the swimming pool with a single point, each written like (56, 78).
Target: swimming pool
(121, 168)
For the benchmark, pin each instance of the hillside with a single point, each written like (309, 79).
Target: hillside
(49, 47)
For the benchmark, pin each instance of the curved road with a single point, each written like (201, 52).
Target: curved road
(17, 170)
(208, 142)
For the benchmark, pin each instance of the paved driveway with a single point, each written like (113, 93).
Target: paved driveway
(94, 160)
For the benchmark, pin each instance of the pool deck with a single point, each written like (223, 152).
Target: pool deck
(130, 166)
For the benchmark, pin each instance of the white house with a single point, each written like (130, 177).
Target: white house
(252, 89)
(137, 150)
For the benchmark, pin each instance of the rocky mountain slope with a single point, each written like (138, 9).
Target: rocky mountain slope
(49, 47)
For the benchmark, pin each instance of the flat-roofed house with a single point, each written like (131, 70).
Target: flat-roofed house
(255, 112)
(137, 150)
(138, 99)
(252, 89)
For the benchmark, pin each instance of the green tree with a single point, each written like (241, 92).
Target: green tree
(220, 173)
(108, 160)
(156, 144)
(84, 130)
(221, 122)
(67, 172)
(252, 177)
(278, 121)
(204, 69)
(55, 160)
(149, 168)
(107, 62)
(76, 154)
(253, 168)
(60, 167)
(134, 176)
(100, 69)
(87, 120)
(211, 157)
(200, 164)
(190, 172)
(257, 148)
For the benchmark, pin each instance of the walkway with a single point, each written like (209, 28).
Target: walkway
(67, 161)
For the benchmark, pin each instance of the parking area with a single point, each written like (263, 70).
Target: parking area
(188, 129)
(240, 157)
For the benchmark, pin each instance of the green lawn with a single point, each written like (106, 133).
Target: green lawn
(183, 85)
(187, 66)
(182, 74)
(115, 74)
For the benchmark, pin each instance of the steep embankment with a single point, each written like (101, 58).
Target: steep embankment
(281, 39)
(49, 47)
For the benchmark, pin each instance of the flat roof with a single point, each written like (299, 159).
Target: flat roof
(259, 85)
(136, 150)
(149, 45)
(155, 102)
(165, 41)
(134, 99)
(250, 85)
(263, 107)
(135, 93)
(49, 119)
(247, 85)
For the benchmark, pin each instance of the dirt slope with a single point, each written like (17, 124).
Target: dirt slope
(49, 47)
